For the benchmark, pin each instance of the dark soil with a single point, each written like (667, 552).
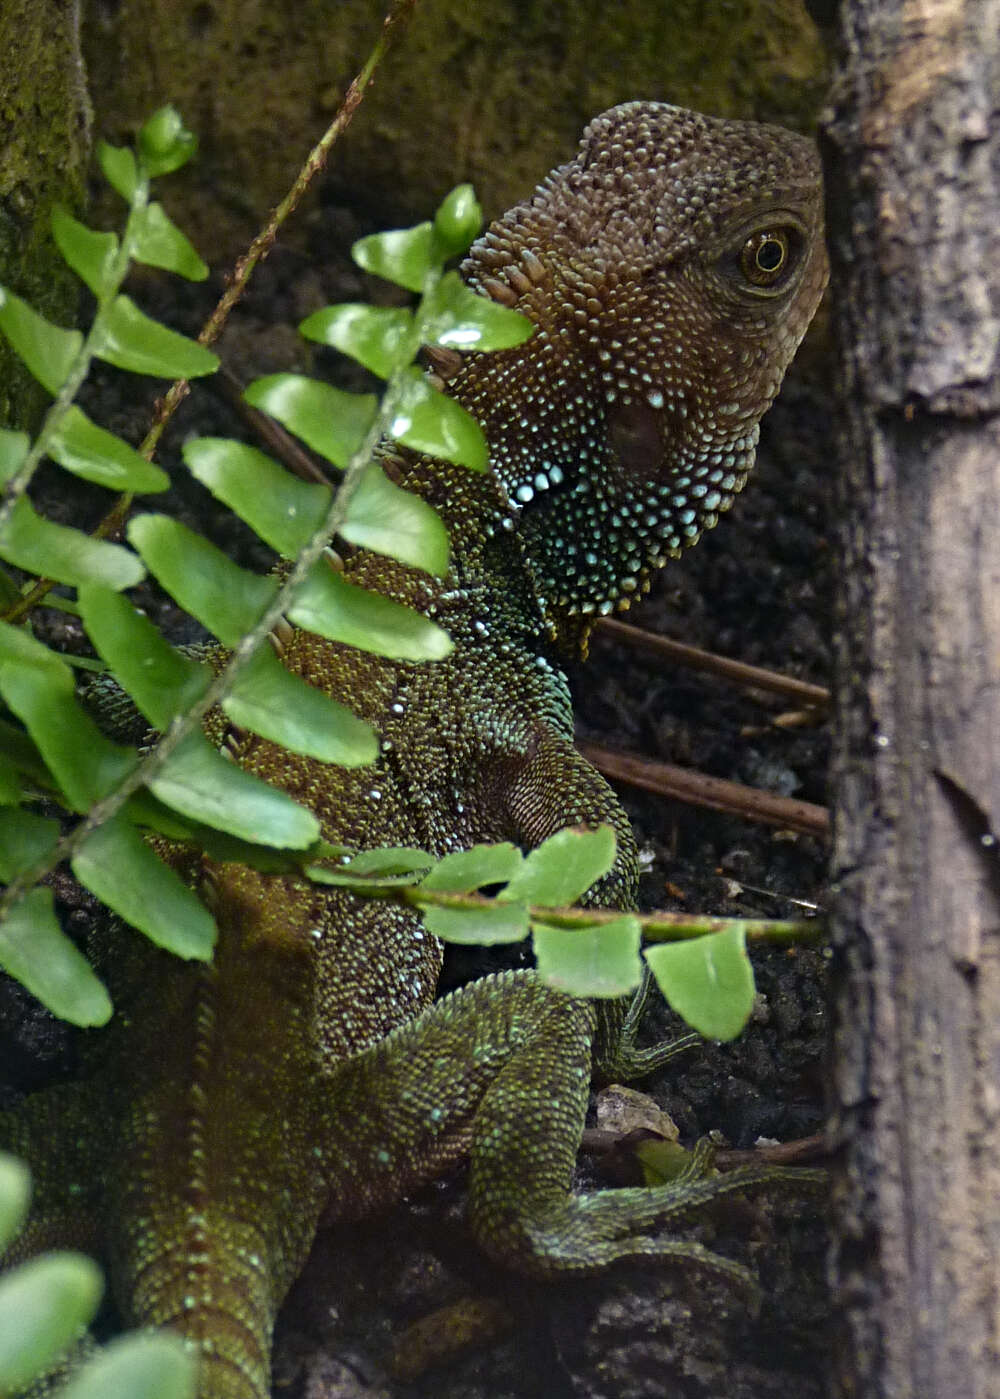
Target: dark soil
(757, 589)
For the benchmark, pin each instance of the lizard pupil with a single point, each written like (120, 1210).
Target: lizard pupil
(765, 256)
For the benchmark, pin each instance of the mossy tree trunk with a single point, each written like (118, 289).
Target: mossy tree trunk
(914, 204)
(44, 149)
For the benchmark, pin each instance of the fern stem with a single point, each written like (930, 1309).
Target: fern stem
(393, 24)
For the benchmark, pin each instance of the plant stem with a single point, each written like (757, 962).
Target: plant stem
(186, 723)
(78, 372)
(393, 24)
(659, 926)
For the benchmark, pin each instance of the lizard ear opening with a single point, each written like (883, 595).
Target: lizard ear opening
(635, 434)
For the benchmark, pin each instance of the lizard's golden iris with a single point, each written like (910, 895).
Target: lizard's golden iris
(766, 255)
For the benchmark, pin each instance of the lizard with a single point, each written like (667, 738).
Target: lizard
(306, 1075)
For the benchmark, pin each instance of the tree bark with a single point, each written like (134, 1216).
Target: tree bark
(913, 153)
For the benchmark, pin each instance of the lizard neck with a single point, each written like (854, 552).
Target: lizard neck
(598, 474)
(491, 574)
(670, 271)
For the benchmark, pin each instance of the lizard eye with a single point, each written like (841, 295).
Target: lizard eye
(766, 258)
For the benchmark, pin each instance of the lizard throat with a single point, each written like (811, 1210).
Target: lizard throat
(605, 501)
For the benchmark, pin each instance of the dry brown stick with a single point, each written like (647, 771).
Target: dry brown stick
(700, 789)
(398, 15)
(694, 658)
(818, 1147)
(278, 441)
(599, 1141)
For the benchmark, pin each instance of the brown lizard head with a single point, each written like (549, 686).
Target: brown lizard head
(671, 270)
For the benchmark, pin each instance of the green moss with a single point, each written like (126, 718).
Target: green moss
(493, 93)
(45, 115)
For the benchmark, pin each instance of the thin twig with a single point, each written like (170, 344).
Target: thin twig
(694, 658)
(395, 20)
(277, 439)
(818, 1147)
(397, 17)
(716, 793)
(662, 925)
(600, 1141)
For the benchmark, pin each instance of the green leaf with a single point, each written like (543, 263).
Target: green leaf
(283, 510)
(11, 790)
(493, 923)
(119, 167)
(282, 707)
(662, 1161)
(395, 866)
(328, 420)
(563, 867)
(384, 517)
(13, 450)
(327, 604)
(47, 350)
(396, 859)
(39, 689)
(129, 339)
(25, 838)
(199, 782)
(29, 541)
(137, 1367)
(90, 254)
(404, 255)
(428, 421)
(382, 338)
(458, 220)
(17, 644)
(37, 953)
(707, 980)
(158, 242)
(162, 681)
(599, 962)
(465, 870)
(99, 456)
(117, 865)
(149, 814)
(15, 1193)
(43, 1305)
(165, 143)
(457, 317)
(225, 598)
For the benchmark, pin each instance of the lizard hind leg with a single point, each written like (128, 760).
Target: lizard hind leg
(524, 1141)
(500, 1072)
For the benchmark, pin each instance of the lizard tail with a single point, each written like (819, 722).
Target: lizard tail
(212, 1285)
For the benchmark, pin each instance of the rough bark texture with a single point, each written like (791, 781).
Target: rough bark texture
(914, 204)
(44, 148)
(491, 93)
